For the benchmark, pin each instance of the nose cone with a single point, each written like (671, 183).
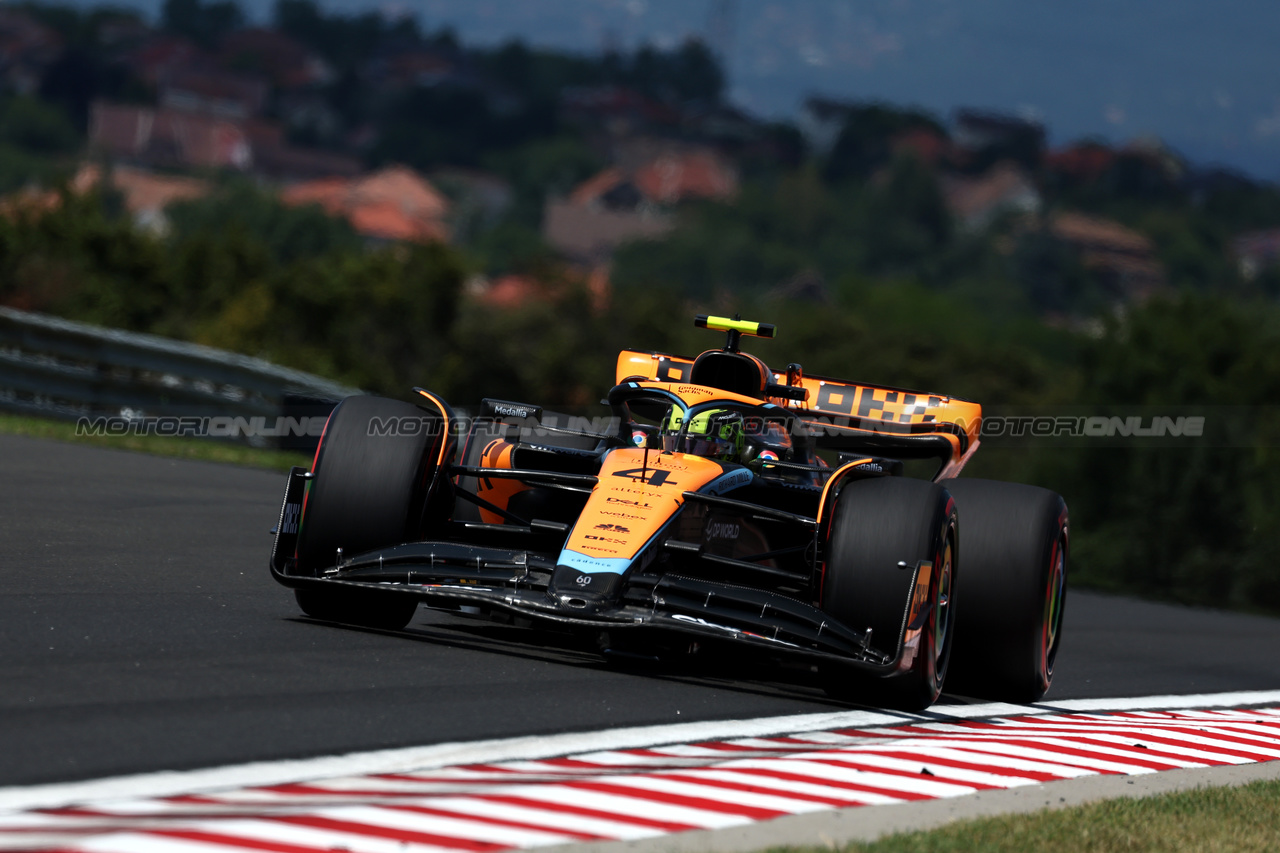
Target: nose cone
(585, 592)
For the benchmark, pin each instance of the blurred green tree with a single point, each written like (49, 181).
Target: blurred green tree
(288, 233)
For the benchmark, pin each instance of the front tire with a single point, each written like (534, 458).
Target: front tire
(373, 473)
(1015, 551)
(876, 524)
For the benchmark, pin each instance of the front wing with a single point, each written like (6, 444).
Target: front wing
(451, 574)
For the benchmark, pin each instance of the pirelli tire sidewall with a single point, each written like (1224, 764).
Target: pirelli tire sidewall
(1016, 550)
(373, 473)
(876, 525)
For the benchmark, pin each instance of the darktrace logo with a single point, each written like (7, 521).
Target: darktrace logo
(616, 528)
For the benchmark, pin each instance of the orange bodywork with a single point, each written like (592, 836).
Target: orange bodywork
(692, 395)
(446, 446)
(632, 501)
(838, 405)
(497, 491)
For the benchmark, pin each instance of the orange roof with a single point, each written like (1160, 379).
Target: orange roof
(594, 187)
(143, 191)
(1122, 255)
(394, 203)
(403, 186)
(678, 177)
(1101, 233)
(385, 220)
(1004, 185)
(666, 179)
(512, 291)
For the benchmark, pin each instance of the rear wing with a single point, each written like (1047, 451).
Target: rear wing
(849, 416)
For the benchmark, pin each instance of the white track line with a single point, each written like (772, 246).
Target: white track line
(418, 759)
(743, 786)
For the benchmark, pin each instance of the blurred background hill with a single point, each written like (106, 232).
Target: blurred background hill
(393, 200)
(1196, 75)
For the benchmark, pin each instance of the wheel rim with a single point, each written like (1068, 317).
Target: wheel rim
(942, 610)
(1054, 594)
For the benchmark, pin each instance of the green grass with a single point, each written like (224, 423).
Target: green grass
(1223, 820)
(208, 450)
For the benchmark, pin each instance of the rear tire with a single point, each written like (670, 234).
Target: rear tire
(370, 491)
(1015, 573)
(876, 524)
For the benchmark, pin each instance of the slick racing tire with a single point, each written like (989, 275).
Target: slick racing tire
(1015, 584)
(369, 491)
(876, 525)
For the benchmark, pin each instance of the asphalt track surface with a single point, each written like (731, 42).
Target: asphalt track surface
(140, 631)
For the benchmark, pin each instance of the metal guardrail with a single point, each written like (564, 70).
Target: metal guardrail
(63, 369)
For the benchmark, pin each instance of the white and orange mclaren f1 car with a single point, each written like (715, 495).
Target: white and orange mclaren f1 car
(724, 503)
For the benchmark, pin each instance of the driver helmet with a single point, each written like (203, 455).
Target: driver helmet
(713, 434)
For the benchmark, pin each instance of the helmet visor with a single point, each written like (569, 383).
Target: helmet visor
(714, 448)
